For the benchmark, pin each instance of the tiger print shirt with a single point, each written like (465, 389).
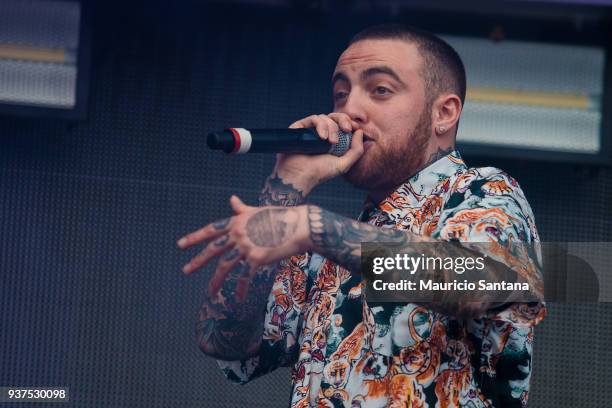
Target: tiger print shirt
(346, 353)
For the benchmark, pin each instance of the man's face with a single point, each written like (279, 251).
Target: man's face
(378, 83)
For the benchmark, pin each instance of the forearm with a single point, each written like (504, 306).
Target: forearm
(232, 330)
(281, 191)
(339, 238)
(229, 329)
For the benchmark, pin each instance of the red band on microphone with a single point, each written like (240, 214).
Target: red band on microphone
(236, 140)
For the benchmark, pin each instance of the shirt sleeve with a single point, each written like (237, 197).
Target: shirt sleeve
(488, 206)
(282, 324)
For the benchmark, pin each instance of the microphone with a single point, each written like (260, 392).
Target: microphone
(307, 141)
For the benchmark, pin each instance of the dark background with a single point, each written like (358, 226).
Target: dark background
(91, 293)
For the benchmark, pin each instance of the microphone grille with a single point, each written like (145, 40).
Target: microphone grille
(343, 145)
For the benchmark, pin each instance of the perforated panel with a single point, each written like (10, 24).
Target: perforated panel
(91, 292)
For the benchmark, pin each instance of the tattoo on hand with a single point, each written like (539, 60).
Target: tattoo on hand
(278, 193)
(231, 255)
(221, 224)
(222, 241)
(271, 227)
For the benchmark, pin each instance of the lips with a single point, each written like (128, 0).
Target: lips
(367, 142)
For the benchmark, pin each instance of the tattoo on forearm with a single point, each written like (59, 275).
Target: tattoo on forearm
(278, 193)
(271, 227)
(339, 239)
(232, 330)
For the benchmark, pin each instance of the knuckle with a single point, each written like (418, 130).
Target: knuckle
(245, 250)
(336, 116)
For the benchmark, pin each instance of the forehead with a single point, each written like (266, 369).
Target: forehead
(401, 56)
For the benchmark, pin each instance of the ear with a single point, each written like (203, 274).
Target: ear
(446, 110)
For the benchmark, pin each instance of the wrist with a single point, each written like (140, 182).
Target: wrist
(303, 236)
(280, 192)
(296, 178)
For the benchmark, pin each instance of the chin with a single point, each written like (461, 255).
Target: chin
(366, 174)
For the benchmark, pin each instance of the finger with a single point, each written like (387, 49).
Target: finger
(321, 126)
(332, 128)
(228, 262)
(244, 282)
(242, 289)
(207, 233)
(302, 123)
(343, 120)
(354, 153)
(216, 248)
(237, 205)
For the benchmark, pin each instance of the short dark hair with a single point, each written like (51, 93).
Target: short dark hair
(443, 70)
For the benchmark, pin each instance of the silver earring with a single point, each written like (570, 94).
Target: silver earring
(441, 129)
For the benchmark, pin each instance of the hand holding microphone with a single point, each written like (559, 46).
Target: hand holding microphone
(302, 160)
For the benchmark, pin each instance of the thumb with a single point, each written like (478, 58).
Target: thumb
(354, 153)
(237, 205)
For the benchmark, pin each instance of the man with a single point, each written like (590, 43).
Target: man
(400, 91)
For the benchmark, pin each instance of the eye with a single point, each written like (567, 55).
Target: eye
(340, 95)
(381, 90)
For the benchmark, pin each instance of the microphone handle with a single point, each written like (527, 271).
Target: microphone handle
(302, 140)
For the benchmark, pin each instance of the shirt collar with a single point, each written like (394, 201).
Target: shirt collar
(418, 186)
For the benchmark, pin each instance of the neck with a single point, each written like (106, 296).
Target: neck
(379, 195)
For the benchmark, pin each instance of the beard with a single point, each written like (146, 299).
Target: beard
(385, 166)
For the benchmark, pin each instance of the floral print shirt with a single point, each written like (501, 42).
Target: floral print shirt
(347, 353)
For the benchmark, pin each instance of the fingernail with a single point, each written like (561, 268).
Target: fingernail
(186, 268)
(181, 242)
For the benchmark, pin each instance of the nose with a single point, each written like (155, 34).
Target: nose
(354, 107)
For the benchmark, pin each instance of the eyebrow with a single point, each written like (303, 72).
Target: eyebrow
(339, 76)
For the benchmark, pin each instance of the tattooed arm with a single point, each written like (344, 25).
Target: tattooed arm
(339, 239)
(227, 328)
(231, 330)
(278, 191)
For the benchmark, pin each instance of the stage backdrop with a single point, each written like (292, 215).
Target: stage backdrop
(91, 293)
